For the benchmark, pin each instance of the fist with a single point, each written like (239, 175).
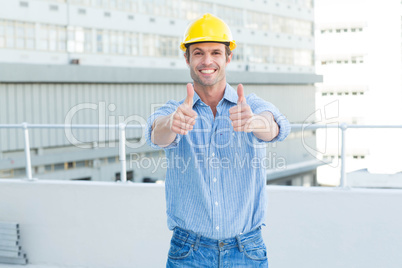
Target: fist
(183, 119)
(241, 114)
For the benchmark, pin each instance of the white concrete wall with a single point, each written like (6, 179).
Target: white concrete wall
(95, 224)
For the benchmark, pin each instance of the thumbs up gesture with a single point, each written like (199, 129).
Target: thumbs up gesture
(183, 119)
(241, 114)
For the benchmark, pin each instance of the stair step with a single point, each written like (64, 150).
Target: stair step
(10, 251)
(19, 260)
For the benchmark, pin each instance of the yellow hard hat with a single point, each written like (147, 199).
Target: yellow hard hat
(208, 28)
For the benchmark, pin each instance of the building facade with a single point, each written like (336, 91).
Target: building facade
(104, 62)
(358, 52)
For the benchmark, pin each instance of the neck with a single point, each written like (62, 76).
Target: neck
(211, 95)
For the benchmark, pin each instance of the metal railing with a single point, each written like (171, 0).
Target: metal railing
(122, 140)
(343, 127)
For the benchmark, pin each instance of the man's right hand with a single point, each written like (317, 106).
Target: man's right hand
(183, 119)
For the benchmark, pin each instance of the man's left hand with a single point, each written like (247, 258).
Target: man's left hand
(243, 119)
(241, 114)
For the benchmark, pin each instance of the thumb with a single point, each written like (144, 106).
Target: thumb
(240, 94)
(190, 95)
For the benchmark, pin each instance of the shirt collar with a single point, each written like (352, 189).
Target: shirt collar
(229, 95)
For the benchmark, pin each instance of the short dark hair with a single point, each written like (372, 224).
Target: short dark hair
(227, 50)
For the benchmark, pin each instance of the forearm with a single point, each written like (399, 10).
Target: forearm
(265, 127)
(162, 135)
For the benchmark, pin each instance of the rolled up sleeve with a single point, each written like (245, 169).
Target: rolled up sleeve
(166, 109)
(259, 105)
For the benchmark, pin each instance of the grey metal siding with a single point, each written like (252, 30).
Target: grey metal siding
(50, 103)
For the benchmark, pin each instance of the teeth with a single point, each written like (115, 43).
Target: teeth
(207, 71)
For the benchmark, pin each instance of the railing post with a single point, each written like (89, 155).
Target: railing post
(27, 148)
(122, 152)
(343, 127)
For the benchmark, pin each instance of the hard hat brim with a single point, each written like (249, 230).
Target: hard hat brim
(232, 44)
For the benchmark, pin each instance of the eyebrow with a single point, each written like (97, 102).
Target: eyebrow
(214, 50)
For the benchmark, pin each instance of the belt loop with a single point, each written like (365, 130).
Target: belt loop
(197, 242)
(239, 243)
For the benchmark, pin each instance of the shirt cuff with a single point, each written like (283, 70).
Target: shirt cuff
(283, 125)
(148, 134)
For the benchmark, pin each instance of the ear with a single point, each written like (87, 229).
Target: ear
(229, 58)
(185, 57)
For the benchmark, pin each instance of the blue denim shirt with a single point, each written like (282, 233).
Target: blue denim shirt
(215, 180)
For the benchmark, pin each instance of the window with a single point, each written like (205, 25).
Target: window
(102, 4)
(292, 26)
(53, 38)
(165, 8)
(20, 35)
(112, 159)
(238, 53)
(283, 56)
(149, 45)
(79, 40)
(116, 42)
(258, 54)
(258, 20)
(278, 55)
(232, 16)
(131, 45)
(192, 9)
(303, 57)
(168, 46)
(129, 176)
(82, 164)
(6, 173)
(2, 33)
(131, 5)
(81, 2)
(57, 167)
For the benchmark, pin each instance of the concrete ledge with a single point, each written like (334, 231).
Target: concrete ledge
(34, 73)
(118, 225)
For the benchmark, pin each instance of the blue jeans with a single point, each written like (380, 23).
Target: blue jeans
(187, 249)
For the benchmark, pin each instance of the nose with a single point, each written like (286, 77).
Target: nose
(207, 59)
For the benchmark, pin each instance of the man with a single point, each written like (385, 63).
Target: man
(215, 191)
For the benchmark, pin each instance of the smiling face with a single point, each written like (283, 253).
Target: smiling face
(208, 63)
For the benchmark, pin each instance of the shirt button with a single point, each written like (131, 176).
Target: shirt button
(216, 203)
(217, 228)
(233, 134)
(214, 179)
(213, 154)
